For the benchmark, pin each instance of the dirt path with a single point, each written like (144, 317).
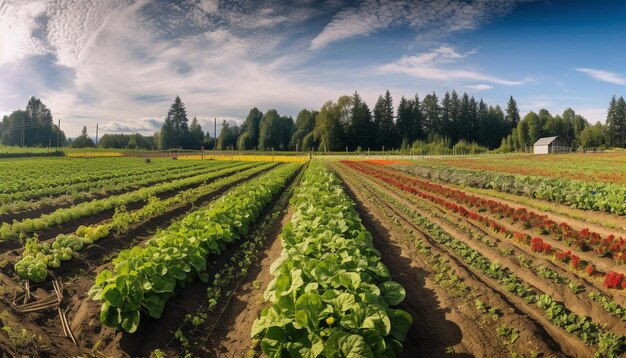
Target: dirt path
(231, 338)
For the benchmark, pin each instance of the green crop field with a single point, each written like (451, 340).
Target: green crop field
(123, 256)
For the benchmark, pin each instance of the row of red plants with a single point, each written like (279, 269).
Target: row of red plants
(536, 244)
(583, 240)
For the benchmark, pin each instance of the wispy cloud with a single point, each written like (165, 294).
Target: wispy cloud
(431, 65)
(421, 15)
(606, 76)
(479, 87)
(125, 61)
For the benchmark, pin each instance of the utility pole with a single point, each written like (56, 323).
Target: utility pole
(96, 134)
(215, 133)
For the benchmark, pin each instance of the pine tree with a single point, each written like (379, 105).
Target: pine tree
(404, 120)
(512, 113)
(431, 109)
(175, 130)
(361, 126)
(418, 121)
(196, 134)
(383, 120)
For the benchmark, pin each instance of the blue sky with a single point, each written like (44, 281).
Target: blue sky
(120, 63)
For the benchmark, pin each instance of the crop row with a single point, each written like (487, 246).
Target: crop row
(579, 194)
(118, 183)
(144, 278)
(612, 280)
(37, 257)
(32, 174)
(64, 215)
(583, 240)
(607, 343)
(331, 296)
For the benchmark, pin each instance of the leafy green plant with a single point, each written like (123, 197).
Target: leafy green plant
(331, 296)
(144, 277)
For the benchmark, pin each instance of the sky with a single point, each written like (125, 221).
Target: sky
(121, 63)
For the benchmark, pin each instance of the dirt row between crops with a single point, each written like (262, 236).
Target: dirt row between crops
(79, 275)
(532, 331)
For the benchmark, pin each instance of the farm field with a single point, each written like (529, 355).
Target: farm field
(125, 257)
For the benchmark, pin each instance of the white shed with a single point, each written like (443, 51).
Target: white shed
(549, 145)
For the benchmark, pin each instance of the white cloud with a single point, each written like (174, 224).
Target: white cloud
(18, 21)
(421, 15)
(479, 87)
(606, 76)
(210, 6)
(428, 66)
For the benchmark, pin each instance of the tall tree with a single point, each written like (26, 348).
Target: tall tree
(361, 127)
(616, 122)
(512, 113)
(432, 111)
(405, 121)
(175, 130)
(445, 124)
(305, 122)
(383, 120)
(270, 131)
(533, 123)
(196, 135)
(250, 131)
(327, 130)
(417, 131)
(459, 117)
(522, 134)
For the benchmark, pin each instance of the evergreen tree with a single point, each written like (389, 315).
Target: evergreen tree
(445, 123)
(467, 125)
(459, 117)
(383, 120)
(361, 125)
(616, 123)
(431, 109)
(512, 113)
(417, 131)
(175, 130)
(196, 134)
(405, 120)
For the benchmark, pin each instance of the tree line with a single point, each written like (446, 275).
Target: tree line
(432, 125)
(31, 127)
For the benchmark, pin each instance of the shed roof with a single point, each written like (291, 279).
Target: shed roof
(545, 140)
